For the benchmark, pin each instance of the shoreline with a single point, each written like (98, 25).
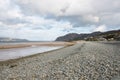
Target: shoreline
(39, 45)
(29, 56)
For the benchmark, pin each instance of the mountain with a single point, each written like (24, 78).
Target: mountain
(68, 37)
(95, 36)
(7, 39)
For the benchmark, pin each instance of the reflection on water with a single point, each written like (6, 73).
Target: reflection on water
(13, 53)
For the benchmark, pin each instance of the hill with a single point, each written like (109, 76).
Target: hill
(7, 39)
(113, 35)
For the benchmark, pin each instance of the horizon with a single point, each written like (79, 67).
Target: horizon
(58, 36)
(43, 20)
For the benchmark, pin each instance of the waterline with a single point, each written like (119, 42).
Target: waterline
(6, 54)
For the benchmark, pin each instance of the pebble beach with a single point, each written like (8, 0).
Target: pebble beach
(81, 61)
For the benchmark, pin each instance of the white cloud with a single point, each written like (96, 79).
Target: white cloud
(28, 18)
(70, 7)
(57, 7)
(91, 18)
(101, 28)
(9, 10)
(89, 10)
(36, 28)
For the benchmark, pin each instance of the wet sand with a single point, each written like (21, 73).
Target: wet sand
(20, 45)
(82, 61)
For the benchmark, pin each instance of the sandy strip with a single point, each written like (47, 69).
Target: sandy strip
(83, 61)
(36, 44)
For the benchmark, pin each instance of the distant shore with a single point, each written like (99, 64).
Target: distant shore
(82, 61)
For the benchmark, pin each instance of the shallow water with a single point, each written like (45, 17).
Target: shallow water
(6, 54)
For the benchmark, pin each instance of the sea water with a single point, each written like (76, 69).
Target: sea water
(13, 53)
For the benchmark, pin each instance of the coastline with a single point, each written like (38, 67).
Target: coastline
(84, 60)
(17, 51)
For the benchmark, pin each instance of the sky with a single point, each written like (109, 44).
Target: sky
(45, 20)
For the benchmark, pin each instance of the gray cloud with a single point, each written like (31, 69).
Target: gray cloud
(13, 21)
(80, 13)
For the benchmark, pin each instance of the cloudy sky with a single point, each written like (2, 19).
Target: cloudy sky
(48, 19)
